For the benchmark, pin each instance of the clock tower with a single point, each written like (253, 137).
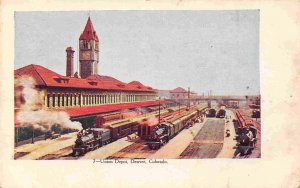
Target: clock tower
(88, 51)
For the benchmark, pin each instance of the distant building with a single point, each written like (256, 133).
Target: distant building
(164, 94)
(179, 94)
(183, 96)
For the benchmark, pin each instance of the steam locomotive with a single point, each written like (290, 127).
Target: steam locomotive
(246, 134)
(245, 142)
(106, 130)
(256, 114)
(221, 113)
(156, 136)
(211, 113)
(91, 139)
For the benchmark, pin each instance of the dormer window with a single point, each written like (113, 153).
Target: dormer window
(93, 83)
(121, 85)
(61, 80)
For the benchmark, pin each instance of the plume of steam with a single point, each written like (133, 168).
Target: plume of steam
(141, 110)
(152, 121)
(136, 112)
(31, 113)
(130, 114)
(44, 120)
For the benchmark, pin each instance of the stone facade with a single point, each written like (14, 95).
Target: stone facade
(60, 98)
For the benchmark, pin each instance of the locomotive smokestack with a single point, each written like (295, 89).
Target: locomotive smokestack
(70, 62)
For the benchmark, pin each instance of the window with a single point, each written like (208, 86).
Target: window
(53, 100)
(58, 100)
(63, 100)
(85, 44)
(67, 100)
(48, 100)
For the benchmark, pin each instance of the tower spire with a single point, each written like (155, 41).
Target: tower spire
(88, 51)
(89, 32)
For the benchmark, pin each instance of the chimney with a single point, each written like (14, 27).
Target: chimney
(69, 64)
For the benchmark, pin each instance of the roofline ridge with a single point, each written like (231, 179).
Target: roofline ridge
(39, 73)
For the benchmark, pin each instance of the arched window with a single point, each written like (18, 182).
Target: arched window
(63, 100)
(71, 100)
(67, 100)
(79, 99)
(75, 99)
(58, 100)
(86, 44)
(53, 100)
(48, 100)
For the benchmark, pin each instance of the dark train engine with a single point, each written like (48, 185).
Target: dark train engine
(211, 113)
(246, 134)
(159, 136)
(91, 139)
(221, 113)
(245, 141)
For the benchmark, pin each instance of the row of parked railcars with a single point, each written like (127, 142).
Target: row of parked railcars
(106, 130)
(161, 132)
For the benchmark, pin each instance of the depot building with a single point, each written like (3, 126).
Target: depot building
(85, 94)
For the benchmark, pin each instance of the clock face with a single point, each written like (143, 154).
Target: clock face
(86, 55)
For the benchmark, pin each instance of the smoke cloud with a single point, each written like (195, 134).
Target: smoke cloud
(152, 121)
(31, 112)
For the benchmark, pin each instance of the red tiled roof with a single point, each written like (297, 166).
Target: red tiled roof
(91, 110)
(89, 32)
(103, 78)
(137, 84)
(46, 77)
(178, 90)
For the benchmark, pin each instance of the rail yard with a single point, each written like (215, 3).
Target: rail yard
(87, 115)
(186, 132)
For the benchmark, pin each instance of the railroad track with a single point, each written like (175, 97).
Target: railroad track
(138, 150)
(62, 154)
(208, 142)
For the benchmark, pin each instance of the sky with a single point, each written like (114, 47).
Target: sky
(203, 50)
